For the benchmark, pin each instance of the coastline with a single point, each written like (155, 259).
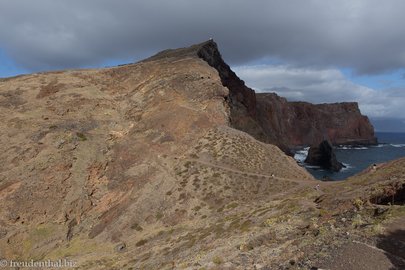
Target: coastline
(358, 157)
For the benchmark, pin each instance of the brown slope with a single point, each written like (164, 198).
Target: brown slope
(93, 156)
(138, 167)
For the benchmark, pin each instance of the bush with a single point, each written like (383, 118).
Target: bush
(217, 260)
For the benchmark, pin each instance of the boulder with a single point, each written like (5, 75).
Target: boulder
(324, 156)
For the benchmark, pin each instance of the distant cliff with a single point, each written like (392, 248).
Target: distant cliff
(302, 123)
(273, 119)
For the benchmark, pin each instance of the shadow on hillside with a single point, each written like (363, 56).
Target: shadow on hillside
(394, 246)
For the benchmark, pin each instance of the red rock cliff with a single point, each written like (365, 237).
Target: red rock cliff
(302, 123)
(273, 119)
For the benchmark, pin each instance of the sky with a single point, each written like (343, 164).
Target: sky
(314, 50)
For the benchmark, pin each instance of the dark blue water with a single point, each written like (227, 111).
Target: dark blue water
(391, 146)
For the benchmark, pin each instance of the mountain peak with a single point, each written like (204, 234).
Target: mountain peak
(192, 51)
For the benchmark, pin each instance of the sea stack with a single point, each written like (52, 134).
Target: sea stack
(324, 156)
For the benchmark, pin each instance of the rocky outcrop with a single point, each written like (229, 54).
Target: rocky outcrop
(242, 99)
(272, 119)
(302, 123)
(323, 156)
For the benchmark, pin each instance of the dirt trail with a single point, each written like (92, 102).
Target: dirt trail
(387, 252)
(302, 182)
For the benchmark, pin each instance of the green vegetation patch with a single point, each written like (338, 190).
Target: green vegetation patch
(81, 136)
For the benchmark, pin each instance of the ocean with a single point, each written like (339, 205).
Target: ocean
(391, 146)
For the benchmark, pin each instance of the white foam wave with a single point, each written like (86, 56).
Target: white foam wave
(301, 155)
(397, 145)
(313, 167)
(379, 145)
(352, 148)
(346, 167)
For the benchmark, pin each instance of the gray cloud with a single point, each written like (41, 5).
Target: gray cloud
(388, 124)
(366, 35)
(324, 86)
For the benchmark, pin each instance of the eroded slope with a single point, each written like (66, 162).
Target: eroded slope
(93, 156)
(138, 167)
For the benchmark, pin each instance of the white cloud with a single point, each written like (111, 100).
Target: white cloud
(323, 86)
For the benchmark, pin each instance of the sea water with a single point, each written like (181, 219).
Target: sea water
(391, 146)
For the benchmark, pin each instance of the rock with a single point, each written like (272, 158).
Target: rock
(258, 266)
(121, 247)
(323, 156)
(303, 123)
(272, 119)
(59, 144)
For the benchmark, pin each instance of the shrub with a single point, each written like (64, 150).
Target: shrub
(217, 260)
(81, 136)
(141, 242)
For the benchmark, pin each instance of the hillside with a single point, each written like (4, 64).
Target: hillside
(142, 167)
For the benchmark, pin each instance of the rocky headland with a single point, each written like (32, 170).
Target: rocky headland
(302, 123)
(272, 119)
(171, 163)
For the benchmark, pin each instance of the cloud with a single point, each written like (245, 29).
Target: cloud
(388, 124)
(323, 86)
(366, 35)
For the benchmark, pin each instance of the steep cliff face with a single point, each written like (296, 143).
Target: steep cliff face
(302, 123)
(239, 93)
(272, 119)
(242, 99)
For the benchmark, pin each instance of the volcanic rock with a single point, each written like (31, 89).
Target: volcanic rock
(324, 156)
(303, 123)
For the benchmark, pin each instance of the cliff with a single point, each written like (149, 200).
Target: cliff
(272, 119)
(302, 123)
